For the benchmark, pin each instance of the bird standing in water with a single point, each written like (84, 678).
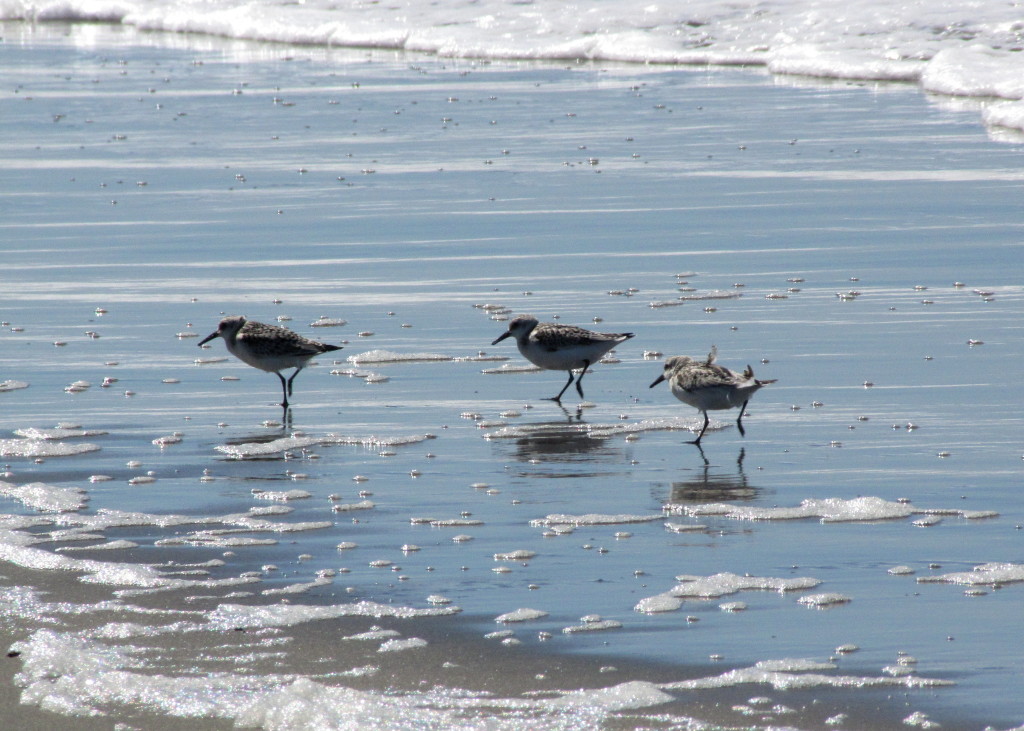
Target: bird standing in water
(557, 347)
(268, 347)
(710, 387)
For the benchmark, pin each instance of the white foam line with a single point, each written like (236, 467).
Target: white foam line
(828, 510)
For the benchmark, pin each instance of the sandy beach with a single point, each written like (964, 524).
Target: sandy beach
(853, 560)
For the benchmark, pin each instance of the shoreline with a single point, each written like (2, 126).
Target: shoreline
(306, 190)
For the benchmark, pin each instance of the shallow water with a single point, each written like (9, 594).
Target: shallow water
(151, 185)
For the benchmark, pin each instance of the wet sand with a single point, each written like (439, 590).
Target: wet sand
(813, 231)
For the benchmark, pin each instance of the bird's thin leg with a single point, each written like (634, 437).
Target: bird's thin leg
(579, 381)
(558, 398)
(739, 420)
(284, 390)
(703, 429)
(292, 379)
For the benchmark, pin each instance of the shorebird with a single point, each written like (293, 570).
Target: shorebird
(557, 347)
(710, 387)
(268, 347)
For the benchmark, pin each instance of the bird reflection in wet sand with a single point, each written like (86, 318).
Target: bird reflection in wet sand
(714, 485)
(570, 441)
(557, 347)
(269, 348)
(709, 387)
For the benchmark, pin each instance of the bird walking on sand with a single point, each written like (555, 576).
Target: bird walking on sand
(557, 347)
(268, 347)
(710, 387)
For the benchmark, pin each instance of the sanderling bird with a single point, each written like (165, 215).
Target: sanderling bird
(557, 347)
(268, 347)
(710, 387)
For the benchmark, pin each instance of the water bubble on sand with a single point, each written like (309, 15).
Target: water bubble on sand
(918, 718)
(718, 585)
(512, 368)
(684, 527)
(897, 671)
(373, 634)
(167, 440)
(828, 510)
(280, 495)
(499, 634)
(399, 645)
(595, 625)
(555, 519)
(61, 431)
(989, 574)
(325, 321)
(658, 603)
(823, 600)
(454, 522)
(37, 448)
(387, 356)
(520, 615)
(350, 507)
(797, 674)
(46, 498)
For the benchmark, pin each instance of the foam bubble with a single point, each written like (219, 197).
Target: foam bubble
(281, 495)
(1010, 114)
(786, 680)
(375, 634)
(59, 432)
(975, 70)
(989, 574)
(592, 519)
(658, 603)
(108, 546)
(230, 616)
(46, 498)
(262, 450)
(387, 356)
(592, 626)
(824, 600)
(43, 448)
(829, 510)
(718, 585)
(410, 643)
(598, 431)
(299, 588)
(520, 615)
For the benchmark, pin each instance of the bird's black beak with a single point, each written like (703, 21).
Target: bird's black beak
(208, 338)
(501, 337)
(657, 380)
